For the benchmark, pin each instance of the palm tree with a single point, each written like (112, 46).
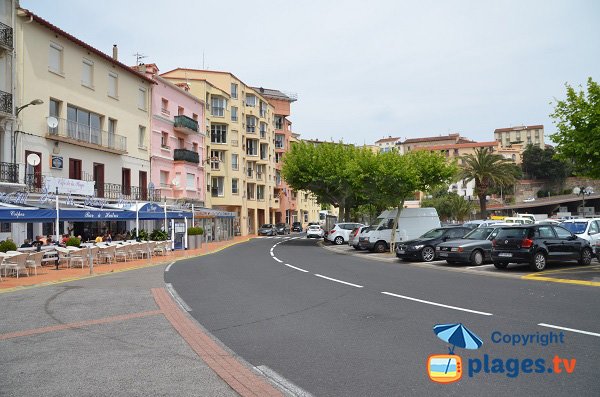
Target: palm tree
(486, 168)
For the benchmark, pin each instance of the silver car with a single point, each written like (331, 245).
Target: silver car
(355, 236)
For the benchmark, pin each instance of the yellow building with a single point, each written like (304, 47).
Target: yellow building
(525, 135)
(241, 148)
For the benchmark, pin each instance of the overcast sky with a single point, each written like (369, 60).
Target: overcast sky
(365, 69)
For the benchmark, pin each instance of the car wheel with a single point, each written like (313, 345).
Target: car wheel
(476, 258)
(339, 240)
(539, 262)
(427, 254)
(586, 257)
(500, 265)
(380, 247)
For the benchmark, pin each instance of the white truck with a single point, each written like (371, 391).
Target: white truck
(413, 223)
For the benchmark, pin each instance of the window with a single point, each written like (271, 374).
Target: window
(218, 133)
(279, 122)
(216, 158)
(545, 232)
(518, 136)
(113, 85)
(87, 73)
(181, 143)
(234, 113)
(277, 177)
(195, 116)
(54, 111)
(216, 186)
(250, 100)
(263, 130)
(75, 169)
(164, 140)
(164, 106)
(83, 125)
(252, 147)
(55, 58)
(250, 188)
(142, 137)
(279, 141)
(264, 151)
(278, 156)
(234, 90)
(142, 98)
(234, 161)
(234, 138)
(260, 192)
(594, 227)
(263, 109)
(112, 127)
(195, 147)
(180, 111)
(234, 186)
(190, 181)
(126, 181)
(5, 227)
(217, 106)
(164, 179)
(560, 232)
(250, 124)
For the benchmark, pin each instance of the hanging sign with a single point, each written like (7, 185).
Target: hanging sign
(69, 186)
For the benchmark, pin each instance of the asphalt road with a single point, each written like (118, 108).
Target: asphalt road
(321, 320)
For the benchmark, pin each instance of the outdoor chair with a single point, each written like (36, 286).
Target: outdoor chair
(121, 251)
(16, 264)
(141, 250)
(78, 257)
(107, 254)
(34, 261)
(151, 247)
(64, 255)
(160, 248)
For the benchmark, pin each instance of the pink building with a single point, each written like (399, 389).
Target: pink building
(177, 140)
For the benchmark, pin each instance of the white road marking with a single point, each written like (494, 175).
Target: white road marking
(569, 329)
(277, 259)
(297, 268)
(169, 267)
(479, 267)
(437, 304)
(282, 382)
(177, 298)
(339, 281)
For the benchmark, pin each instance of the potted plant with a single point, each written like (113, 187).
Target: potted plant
(7, 245)
(195, 237)
(73, 242)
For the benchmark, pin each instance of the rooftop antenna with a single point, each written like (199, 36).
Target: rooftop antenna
(139, 57)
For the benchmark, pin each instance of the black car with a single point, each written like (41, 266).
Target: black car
(538, 244)
(268, 229)
(296, 227)
(282, 228)
(474, 248)
(423, 248)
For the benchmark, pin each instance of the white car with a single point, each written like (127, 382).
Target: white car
(588, 229)
(314, 231)
(341, 232)
(529, 200)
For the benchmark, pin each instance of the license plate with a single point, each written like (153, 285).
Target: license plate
(401, 251)
(505, 254)
(443, 254)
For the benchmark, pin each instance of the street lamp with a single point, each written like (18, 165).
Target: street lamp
(583, 191)
(18, 110)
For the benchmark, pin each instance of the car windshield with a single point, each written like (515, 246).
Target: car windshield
(266, 226)
(435, 233)
(513, 233)
(575, 227)
(481, 233)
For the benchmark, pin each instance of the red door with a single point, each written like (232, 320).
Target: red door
(99, 179)
(143, 185)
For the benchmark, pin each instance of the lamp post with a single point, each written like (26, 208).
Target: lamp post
(18, 110)
(583, 191)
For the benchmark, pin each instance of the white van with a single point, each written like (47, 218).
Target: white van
(518, 220)
(413, 223)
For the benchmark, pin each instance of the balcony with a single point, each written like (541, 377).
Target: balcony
(186, 155)
(85, 135)
(6, 102)
(9, 172)
(6, 36)
(185, 125)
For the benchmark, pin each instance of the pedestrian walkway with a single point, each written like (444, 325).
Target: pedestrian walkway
(49, 275)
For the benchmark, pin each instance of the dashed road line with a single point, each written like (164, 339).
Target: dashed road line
(437, 304)
(277, 259)
(338, 281)
(297, 268)
(169, 267)
(569, 329)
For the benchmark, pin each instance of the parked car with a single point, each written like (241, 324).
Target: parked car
(517, 220)
(588, 229)
(537, 245)
(340, 232)
(314, 231)
(474, 248)
(296, 227)
(268, 229)
(423, 248)
(282, 228)
(529, 200)
(354, 239)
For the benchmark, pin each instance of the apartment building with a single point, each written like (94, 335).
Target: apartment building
(8, 168)
(525, 135)
(388, 144)
(241, 149)
(176, 140)
(416, 143)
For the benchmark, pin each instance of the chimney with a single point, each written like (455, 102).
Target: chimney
(115, 52)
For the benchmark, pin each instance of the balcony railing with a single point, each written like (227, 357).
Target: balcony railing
(6, 36)
(186, 155)
(185, 124)
(9, 172)
(73, 132)
(6, 102)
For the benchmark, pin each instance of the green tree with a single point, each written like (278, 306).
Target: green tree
(486, 168)
(577, 120)
(449, 206)
(541, 163)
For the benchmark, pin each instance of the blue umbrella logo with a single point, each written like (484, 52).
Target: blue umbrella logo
(457, 335)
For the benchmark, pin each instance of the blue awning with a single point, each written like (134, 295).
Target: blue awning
(34, 215)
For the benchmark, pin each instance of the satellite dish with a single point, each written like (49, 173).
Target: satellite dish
(576, 190)
(52, 122)
(175, 182)
(33, 159)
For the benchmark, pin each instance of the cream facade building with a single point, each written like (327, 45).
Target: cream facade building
(240, 146)
(524, 135)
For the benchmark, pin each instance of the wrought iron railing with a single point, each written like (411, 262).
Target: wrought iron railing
(9, 172)
(186, 122)
(6, 102)
(186, 155)
(85, 133)
(6, 36)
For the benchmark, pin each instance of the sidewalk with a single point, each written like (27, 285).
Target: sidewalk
(48, 275)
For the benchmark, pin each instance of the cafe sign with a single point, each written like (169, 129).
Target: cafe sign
(69, 186)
